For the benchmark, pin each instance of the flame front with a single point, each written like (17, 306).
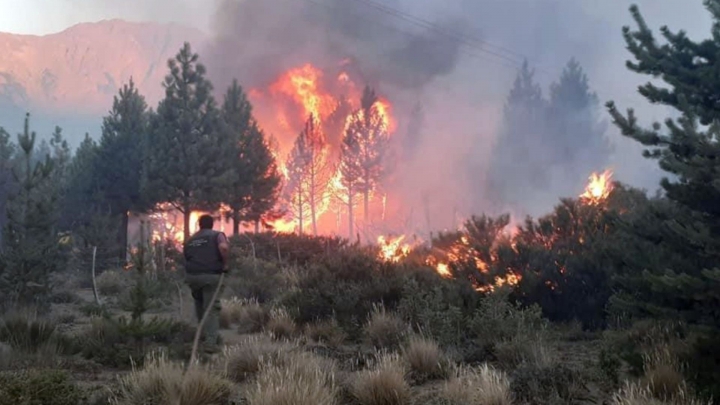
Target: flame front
(393, 250)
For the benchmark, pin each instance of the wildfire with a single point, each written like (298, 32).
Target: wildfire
(303, 85)
(393, 250)
(598, 189)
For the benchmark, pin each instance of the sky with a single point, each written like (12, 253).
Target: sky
(40, 17)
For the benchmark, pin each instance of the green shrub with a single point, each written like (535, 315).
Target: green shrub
(119, 342)
(259, 280)
(292, 249)
(38, 387)
(112, 282)
(345, 286)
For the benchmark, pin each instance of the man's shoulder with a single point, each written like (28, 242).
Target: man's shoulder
(221, 237)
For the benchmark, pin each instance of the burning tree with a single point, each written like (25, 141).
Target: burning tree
(363, 151)
(188, 147)
(308, 172)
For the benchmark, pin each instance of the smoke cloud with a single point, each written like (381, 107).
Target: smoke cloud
(457, 60)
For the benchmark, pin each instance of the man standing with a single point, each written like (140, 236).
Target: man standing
(206, 254)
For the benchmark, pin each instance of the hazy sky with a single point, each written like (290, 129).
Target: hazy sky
(47, 16)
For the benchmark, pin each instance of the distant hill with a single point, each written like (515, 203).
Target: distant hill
(69, 78)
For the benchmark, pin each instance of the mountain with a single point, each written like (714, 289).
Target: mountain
(69, 78)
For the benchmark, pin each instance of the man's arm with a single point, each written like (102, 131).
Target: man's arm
(224, 248)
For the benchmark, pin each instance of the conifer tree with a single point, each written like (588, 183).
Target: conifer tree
(520, 150)
(575, 132)
(7, 153)
(237, 114)
(363, 153)
(309, 172)
(31, 252)
(688, 151)
(120, 156)
(188, 145)
(266, 181)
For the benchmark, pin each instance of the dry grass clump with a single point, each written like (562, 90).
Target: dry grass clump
(384, 329)
(301, 379)
(383, 384)
(481, 386)
(230, 310)
(328, 332)
(663, 377)
(246, 358)
(524, 349)
(111, 282)
(425, 359)
(253, 317)
(161, 381)
(637, 394)
(281, 325)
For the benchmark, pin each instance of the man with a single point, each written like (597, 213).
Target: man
(206, 258)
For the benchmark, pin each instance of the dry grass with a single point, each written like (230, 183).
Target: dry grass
(384, 384)
(281, 324)
(301, 379)
(163, 382)
(327, 332)
(384, 329)
(253, 317)
(230, 312)
(482, 386)
(245, 359)
(637, 394)
(524, 349)
(663, 377)
(425, 359)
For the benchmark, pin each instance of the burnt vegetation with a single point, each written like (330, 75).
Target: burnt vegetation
(612, 297)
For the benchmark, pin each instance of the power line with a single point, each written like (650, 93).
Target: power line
(461, 38)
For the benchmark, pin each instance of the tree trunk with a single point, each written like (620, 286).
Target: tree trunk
(312, 205)
(186, 223)
(300, 211)
(257, 226)
(123, 237)
(366, 209)
(236, 222)
(350, 212)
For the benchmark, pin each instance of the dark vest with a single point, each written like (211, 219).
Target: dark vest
(202, 255)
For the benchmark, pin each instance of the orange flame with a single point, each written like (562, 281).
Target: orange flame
(598, 188)
(393, 250)
(302, 84)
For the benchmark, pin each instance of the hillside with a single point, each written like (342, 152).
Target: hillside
(70, 77)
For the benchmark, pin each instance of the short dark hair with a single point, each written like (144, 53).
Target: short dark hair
(206, 222)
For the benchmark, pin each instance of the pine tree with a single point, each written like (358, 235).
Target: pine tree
(688, 151)
(309, 172)
(521, 151)
(575, 132)
(188, 143)
(7, 154)
(266, 181)
(31, 251)
(237, 114)
(120, 157)
(363, 153)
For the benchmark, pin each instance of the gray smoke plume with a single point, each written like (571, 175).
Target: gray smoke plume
(455, 61)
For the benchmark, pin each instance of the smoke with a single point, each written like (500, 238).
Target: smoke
(457, 60)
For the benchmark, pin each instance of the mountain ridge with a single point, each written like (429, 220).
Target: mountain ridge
(78, 71)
